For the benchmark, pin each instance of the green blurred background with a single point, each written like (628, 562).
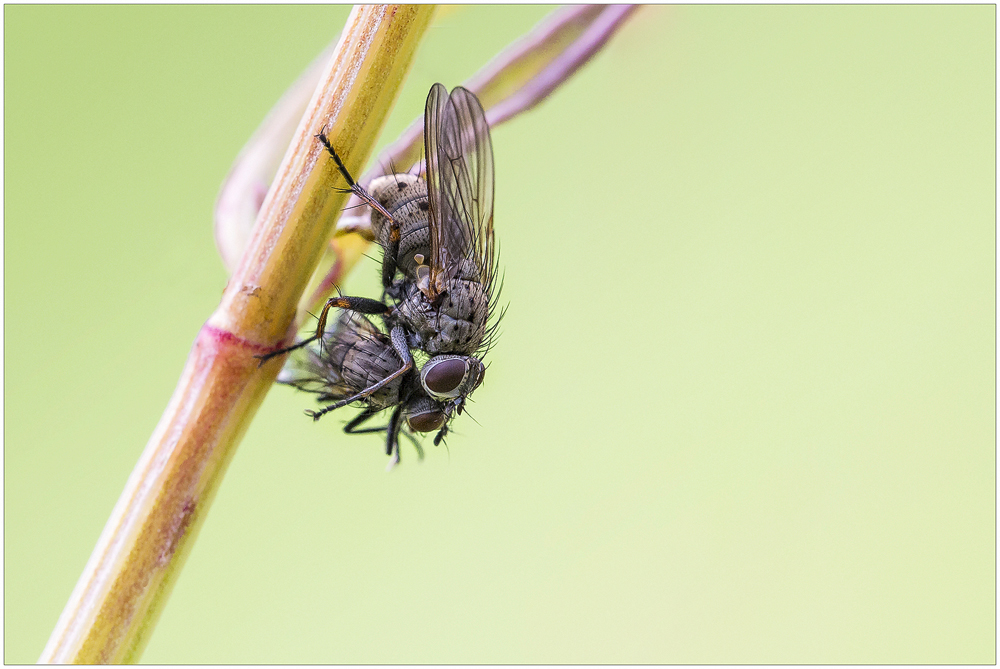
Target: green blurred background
(742, 409)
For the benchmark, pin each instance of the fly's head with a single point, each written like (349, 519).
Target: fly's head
(424, 414)
(452, 378)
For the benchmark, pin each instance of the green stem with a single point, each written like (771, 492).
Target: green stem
(118, 599)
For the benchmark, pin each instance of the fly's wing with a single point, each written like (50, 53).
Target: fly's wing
(310, 372)
(319, 371)
(459, 186)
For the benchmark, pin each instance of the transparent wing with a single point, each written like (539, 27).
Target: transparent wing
(317, 370)
(309, 372)
(460, 185)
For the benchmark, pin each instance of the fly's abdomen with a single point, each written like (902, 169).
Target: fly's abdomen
(365, 361)
(405, 197)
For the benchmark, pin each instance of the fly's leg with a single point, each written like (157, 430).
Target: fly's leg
(355, 187)
(392, 438)
(392, 442)
(398, 337)
(363, 305)
(389, 260)
(352, 426)
(389, 257)
(416, 444)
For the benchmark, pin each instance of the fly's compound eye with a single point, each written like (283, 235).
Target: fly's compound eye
(443, 376)
(426, 421)
(425, 415)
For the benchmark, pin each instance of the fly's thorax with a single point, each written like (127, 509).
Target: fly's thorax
(454, 323)
(455, 327)
(449, 377)
(405, 197)
(467, 269)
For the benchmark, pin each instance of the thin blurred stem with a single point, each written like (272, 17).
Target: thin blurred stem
(126, 582)
(523, 74)
(563, 66)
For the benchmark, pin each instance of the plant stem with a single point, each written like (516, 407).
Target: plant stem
(118, 599)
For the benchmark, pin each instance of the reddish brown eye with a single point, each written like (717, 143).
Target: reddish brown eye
(426, 421)
(445, 376)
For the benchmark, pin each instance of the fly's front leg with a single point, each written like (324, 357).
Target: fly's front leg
(361, 304)
(389, 261)
(355, 187)
(398, 338)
